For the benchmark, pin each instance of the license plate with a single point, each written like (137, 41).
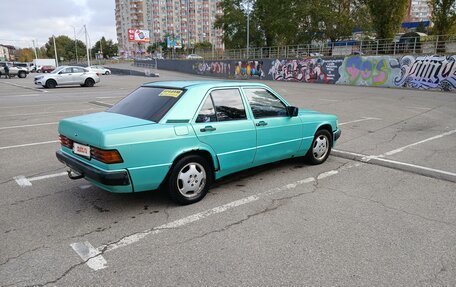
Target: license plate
(80, 149)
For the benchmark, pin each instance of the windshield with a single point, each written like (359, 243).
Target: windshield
(57, 70)
(148, 103)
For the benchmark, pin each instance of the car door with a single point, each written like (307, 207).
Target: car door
(78, 77)
(278, 135)
(222, 123)
(65, 76)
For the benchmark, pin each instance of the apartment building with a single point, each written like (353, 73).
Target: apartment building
(419, 11)
(191, 21)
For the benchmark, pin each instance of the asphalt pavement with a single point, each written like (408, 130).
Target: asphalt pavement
(379, 212)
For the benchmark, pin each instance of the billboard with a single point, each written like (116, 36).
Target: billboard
(141, 36)
(174, 42)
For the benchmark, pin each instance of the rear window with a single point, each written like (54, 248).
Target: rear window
(148, 103)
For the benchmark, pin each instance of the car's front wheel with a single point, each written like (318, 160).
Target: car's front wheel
(189, 179)
(89, 82)
(22, 74)
(51, 84)
(107, 73)
(320, 148)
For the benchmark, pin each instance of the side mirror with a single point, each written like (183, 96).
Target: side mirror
(292, 111)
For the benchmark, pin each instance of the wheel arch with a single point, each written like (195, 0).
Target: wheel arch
(328, 127)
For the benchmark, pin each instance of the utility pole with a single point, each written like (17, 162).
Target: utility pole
(55, 52)
(75, 44)
(34, 49)
(87, 46)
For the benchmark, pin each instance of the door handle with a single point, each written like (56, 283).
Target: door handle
(208, 129)
(261, 123)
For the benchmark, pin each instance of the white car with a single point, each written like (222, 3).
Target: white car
(194, 56)
(100, 70)
(68, 75)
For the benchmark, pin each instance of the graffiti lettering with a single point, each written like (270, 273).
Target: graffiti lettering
(212, 67)
(428, 72)
(307, 70)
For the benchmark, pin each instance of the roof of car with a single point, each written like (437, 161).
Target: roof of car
(208, 84)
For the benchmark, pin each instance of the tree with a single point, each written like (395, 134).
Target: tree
(65, 48)
(203, 46)
(108, 48)
(25, 55)
(443, 16)
(387, 16)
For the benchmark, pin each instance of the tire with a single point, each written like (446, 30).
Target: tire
(22, 75)
(89, 82)
(107, 73)
(189, 180)
(51, 84)
(320, 148)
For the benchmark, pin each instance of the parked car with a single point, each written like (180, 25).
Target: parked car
(68, 75)
(183, 135)
(45, 69)
(21, 72)
(194, 56)
(100, 70)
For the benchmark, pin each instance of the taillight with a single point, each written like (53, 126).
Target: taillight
(106, 156)
(66, 142)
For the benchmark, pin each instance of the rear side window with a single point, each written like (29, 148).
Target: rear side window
(228, 105)
(148, 103)
(264, 104)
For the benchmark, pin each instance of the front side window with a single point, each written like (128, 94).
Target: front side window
(207, 112)
(148, 103)
(264, 104)
(228, 105)
(67, 71)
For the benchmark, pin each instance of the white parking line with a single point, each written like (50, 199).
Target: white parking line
(24, 145)
(47, 113)
(401, 149)
(189, 219)
(360, 120)
(24, 87)
(88, 253)
(22, 181)
(26, 126)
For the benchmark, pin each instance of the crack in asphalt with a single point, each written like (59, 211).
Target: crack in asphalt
(239, 222)
(395, 123)
(99, 229)
(396, 209)
(21, 254)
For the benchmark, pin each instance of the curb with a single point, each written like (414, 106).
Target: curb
(381, 161)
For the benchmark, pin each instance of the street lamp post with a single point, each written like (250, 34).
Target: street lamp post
(247, 6)
(75, 43)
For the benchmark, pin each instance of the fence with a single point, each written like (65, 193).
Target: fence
(444, 44)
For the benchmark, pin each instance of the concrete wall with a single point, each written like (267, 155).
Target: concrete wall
(419, 72)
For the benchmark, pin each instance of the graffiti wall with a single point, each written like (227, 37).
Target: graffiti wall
(310, 70)
(418, 72)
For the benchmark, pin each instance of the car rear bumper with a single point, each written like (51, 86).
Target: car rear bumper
(103, 177)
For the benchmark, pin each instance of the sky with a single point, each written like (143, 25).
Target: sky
(22, 21)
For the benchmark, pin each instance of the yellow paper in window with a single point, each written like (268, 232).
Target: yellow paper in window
(170, 93)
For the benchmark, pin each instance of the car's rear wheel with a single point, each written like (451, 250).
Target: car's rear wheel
(89, 82)
(22, 75)
(51, 84)
(107, 73)
(189, 180)
(320, 148)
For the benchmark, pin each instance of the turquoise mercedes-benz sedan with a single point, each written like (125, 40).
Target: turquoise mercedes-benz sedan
(183, 135)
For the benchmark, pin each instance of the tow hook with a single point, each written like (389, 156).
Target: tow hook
(74, 175)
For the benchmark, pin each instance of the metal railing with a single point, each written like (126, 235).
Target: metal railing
(442, 44)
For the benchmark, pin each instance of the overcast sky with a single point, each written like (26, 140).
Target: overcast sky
(22, 21)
